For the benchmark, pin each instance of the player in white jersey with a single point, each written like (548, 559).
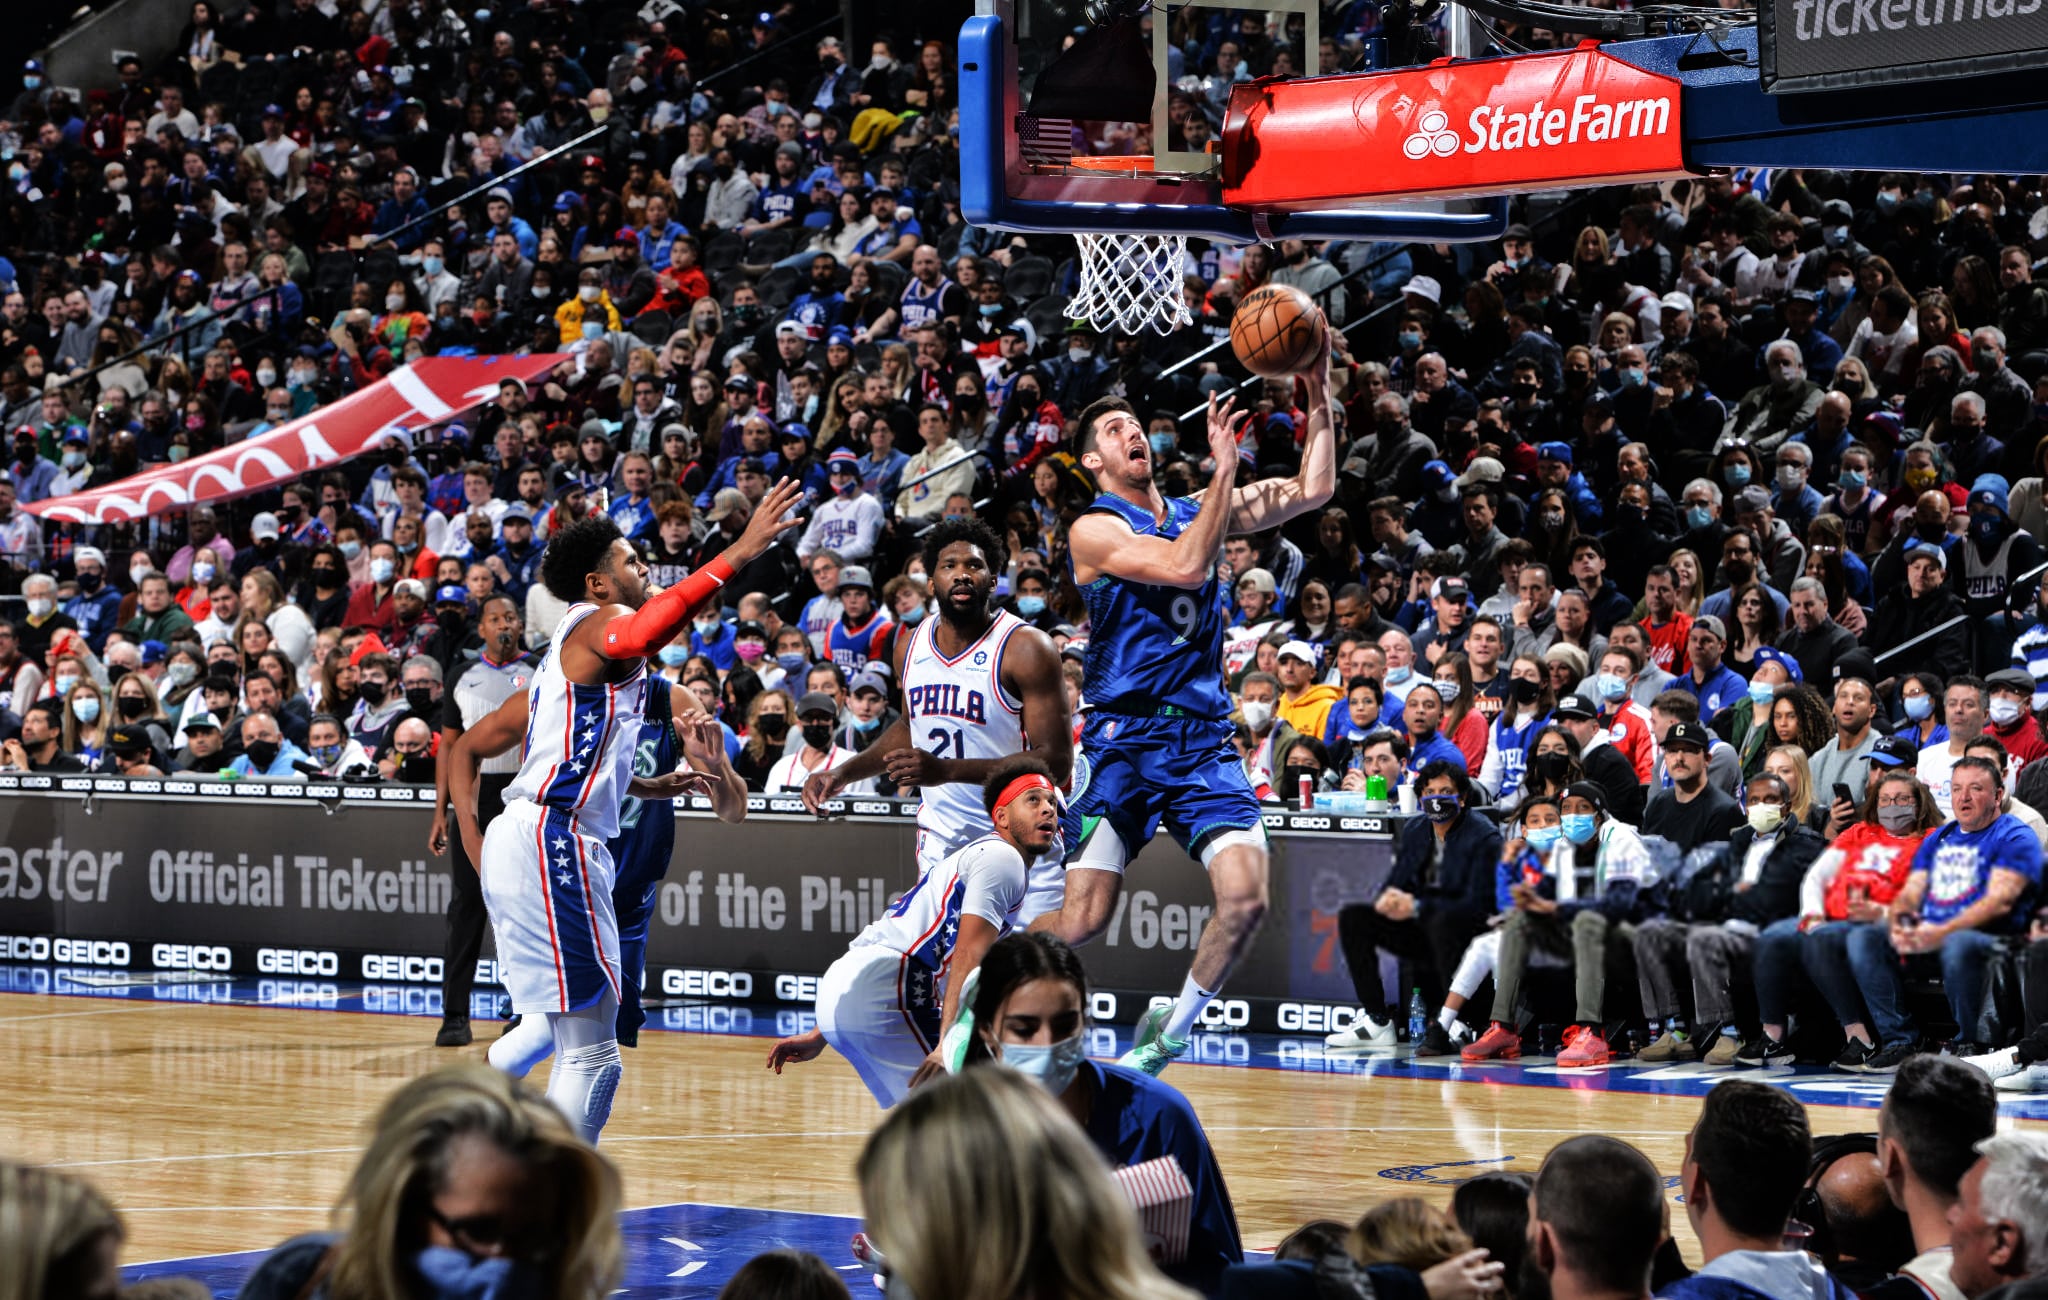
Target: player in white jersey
(886, 1004)
(547, 876)
(979, 684)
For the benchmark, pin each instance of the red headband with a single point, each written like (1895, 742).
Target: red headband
(1028, 781)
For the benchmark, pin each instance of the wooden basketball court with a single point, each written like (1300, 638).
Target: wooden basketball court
(227, 1128)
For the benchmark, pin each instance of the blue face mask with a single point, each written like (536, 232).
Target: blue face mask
(1162, 443)
(1631, 376)
(1610, 686)
(1699, 516)
(1918, 707)
(673, 656)
(1030, 606)
(1395, 676)
(453, 1275)
(791, 662)
(991, 309)
(912, 616)
(1541, 838)
(1853, 480)
(327, 754)
(1410, 340)
(1736, 474)
(350, 550)
(1578, 827)
(1761, 694)
(865, 725)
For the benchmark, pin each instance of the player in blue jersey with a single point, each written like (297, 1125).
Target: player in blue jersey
(680, 749)
(1157, 731)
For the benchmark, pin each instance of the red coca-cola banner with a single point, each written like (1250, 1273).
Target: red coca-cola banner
(428, 391)
(1484, 126)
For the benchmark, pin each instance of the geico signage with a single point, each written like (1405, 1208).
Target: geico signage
(68, 952)
(1536, 121)
(1314, 1017)
(297, 961)
(1223, 1013)
(796, 988)
(709, 984)
(181, 956)
(395, 969)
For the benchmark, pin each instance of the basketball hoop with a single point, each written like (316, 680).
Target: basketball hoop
(1131, 283)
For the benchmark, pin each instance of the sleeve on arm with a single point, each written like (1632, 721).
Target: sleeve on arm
(995, 876)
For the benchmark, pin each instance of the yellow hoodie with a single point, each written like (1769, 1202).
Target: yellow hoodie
(1310, 713)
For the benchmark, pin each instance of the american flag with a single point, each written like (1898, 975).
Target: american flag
(1048, 140)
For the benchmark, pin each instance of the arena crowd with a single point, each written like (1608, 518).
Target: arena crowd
(1684, 565)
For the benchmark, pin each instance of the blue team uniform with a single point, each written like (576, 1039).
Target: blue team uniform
(1157, 732)
(641, 850)
(853, 651)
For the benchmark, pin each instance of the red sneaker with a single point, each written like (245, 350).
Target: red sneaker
(1584, 1046)
(1498, 1043)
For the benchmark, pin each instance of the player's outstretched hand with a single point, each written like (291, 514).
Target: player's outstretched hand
(703, 740)
(768, 522)
(934, 1067)
(668, 785)
(1470, 1276)
(910, 766)
(1225, 422)
(819, 787)
(791, 1051)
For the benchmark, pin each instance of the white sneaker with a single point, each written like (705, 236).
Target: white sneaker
(1999, 1065)
(2033, 1078)
(1363, 1033)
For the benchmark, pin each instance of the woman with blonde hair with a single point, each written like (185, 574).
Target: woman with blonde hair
(290, 630)
(1406, 1231)
(472, 1184)
(1788, 763)
(59, 1236)
(1049, 1224)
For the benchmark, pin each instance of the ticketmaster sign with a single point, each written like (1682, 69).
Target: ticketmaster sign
(1838, 44)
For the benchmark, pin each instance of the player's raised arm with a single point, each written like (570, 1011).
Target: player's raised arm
(504, 728)
(704, 750)
(1100, 543)
(1271, 502)
(655, 624)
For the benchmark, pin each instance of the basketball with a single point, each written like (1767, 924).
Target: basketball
(1276, 330)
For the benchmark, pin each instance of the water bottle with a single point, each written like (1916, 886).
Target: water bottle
(1418, 1017)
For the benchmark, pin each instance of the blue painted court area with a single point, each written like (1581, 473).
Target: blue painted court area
(673, 1252)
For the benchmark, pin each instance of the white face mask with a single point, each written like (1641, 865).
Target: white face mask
(137, 574)
(587, 293)
(1052, 1066)
(2005, 712)
(1257, 713)
(267, 377)
(1764, 818)
(40, 606)
(394, 302)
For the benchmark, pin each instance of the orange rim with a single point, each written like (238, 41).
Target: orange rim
(1111, 162)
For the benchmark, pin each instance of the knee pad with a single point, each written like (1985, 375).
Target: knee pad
(1233, 839)
(522, 1047)
(583, 1084)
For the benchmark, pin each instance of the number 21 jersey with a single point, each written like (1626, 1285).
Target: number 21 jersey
(1150, 647)
(958, 709)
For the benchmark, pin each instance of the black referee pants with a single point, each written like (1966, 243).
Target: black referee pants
(467, 919)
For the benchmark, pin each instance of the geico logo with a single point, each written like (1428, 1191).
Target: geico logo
(796, 988)
(26, 947)
(1314, 1017)
(707, 983)
(411, 970)
(708, 1020)
(179, 956)
(297, 961)
(1102, 1006)
(1210, 1049)
(788, 1024)
(89, 952)
(487, 973)
(1224, 1013)
(409, 1001)
(297, 993)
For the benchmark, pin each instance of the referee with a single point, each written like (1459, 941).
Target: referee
(503, 670)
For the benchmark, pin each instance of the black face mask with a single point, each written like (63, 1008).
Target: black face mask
(90, 582)
(420, 699)
(1550, 768)
(818, 735)
(326, 578)
(1290, 780)
(372, 693)
(1524, 691)
(415, 769)
(773, 726)
(262, 754)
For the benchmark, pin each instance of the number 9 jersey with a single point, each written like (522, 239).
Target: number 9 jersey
(1155, 650)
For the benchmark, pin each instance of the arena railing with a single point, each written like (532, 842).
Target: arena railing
(161, 342)
(1963, 621)
(802, 33)
(439, 206)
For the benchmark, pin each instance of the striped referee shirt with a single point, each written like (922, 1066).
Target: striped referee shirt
(482, 687)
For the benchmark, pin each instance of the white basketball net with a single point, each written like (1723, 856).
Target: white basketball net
(1131, 283)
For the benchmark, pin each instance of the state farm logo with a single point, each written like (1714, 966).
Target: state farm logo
(1495, 128)
(1433, 135)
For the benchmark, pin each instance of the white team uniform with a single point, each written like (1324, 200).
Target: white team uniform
(957, 708)
(879, 1005)
(547, 877)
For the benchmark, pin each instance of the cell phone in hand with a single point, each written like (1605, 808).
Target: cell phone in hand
(1842, 793)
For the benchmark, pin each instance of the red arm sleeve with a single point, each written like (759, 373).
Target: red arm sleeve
(655, 624)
